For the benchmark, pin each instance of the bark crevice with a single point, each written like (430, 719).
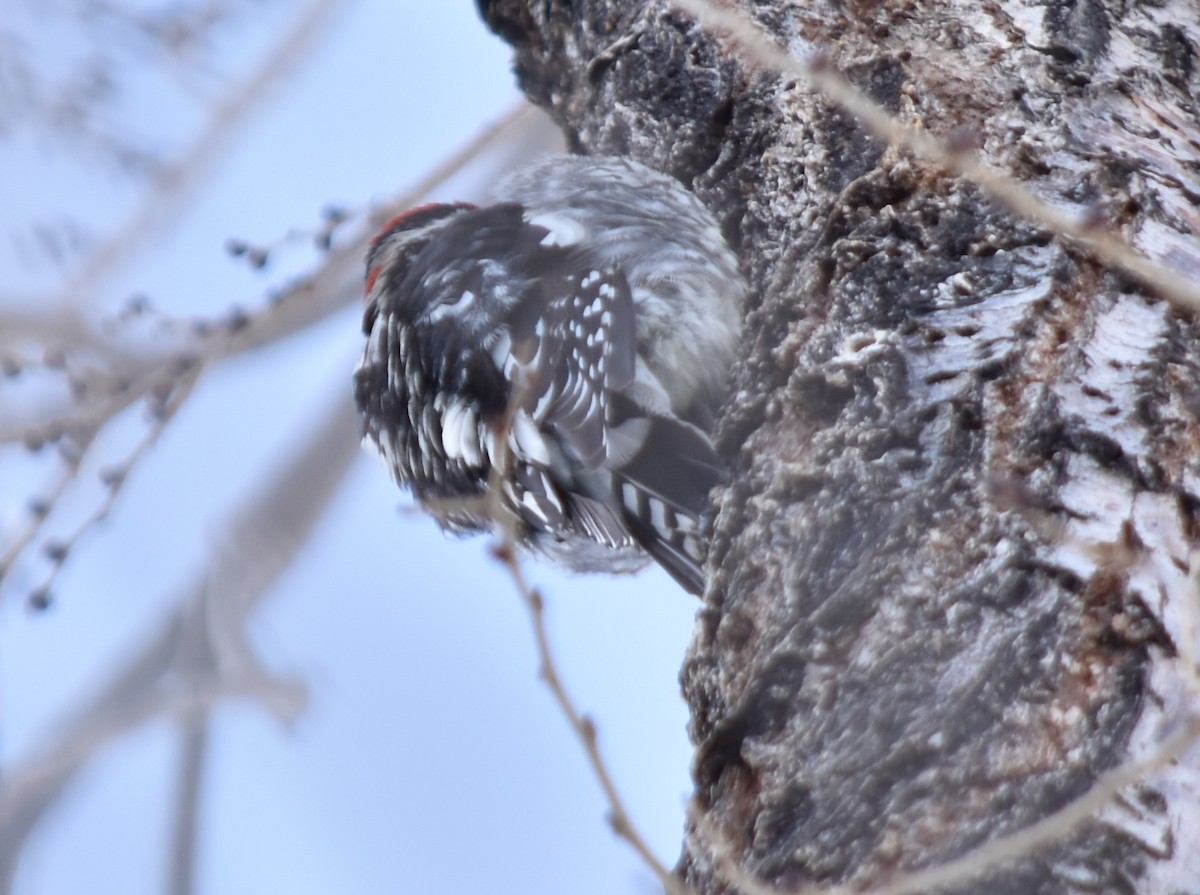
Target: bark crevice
(945, 574)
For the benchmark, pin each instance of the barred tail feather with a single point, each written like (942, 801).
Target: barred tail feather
(663, 491)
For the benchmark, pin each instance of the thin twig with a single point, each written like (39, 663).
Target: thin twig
(43, 505)
(507, 526)
(333, 286)
(762, 50)
(583, 727)
(116, 479)
(336, 284)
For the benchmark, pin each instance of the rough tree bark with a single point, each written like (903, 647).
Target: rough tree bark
(947, 575)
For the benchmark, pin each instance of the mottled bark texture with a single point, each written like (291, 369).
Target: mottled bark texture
(946, 575)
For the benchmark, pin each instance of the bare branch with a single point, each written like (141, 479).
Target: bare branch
(760, 49)
(581, 725)
(165, 377)
(210, 622)
(181, 873)
(175, 183)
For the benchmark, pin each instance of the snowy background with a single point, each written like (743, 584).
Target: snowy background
(430, 758)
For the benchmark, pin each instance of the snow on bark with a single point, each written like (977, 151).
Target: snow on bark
(948, 576)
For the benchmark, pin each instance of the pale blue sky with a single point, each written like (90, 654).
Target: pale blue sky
(431, 759)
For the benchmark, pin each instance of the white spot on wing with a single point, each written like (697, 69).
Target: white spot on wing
(564, 231)
(457, 306)
(658, 514)
(531, 503)
(528, 440)
(460, 433)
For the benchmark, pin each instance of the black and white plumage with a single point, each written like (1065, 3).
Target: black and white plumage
(598, 302)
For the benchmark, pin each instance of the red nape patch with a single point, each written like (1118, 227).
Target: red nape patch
(406, 219)
(412, 219)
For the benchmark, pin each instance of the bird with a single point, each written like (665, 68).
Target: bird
(568, 346)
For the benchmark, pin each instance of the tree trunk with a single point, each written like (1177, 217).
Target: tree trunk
(948, 577)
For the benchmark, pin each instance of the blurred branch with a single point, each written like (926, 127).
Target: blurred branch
(336, 284)
(583, 727)
(114, 479)
(177, 182)
(195, 658)
(66, 326)
(508, 529)
(201, 655)
(181, 874)
(163, 375)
